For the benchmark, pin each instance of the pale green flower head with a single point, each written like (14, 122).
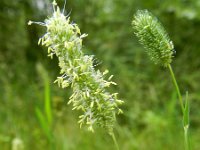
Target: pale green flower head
(90, 90)
(153, 37)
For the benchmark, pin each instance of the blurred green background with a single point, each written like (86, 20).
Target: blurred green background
(34, 114)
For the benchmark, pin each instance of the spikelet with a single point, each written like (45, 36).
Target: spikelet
(153, 37)
(90, 90)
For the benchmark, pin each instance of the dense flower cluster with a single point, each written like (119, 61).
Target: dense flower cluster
(153, 37)
(64, 39)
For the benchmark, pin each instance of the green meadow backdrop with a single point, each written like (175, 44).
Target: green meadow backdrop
(34, 114)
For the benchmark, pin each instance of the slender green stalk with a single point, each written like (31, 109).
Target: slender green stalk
(114, 140)
(159, 47)
(184, 109)
(177, 87)
(187, 146)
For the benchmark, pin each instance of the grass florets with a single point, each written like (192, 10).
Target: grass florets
(153, 37)
(64, 39)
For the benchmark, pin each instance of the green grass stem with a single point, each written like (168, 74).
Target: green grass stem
(184, 108)
(177, 87)
(114, 140)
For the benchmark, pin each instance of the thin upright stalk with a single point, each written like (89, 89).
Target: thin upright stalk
(177, 88)
(114, 140)
(187, 146)
(183, 108)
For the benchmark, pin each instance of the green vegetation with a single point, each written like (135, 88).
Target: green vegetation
(64, 40)
(154, 38)
(151, 119)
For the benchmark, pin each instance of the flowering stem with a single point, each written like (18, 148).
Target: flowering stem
(177, 87)
(114, 140)
(187, 146)
(185, 108)
(90, 88)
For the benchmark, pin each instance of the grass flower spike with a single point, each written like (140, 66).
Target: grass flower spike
(155, 40)
(64, 40)
(153, 37)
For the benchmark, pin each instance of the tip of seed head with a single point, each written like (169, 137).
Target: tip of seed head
(54, 3)
(30, 22)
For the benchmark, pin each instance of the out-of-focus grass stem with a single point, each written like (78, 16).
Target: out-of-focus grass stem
(184, 108)
(114, 140)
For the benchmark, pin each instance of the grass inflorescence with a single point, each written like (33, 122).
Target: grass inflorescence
(153, 37)
(90, 88)
(159, 47)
